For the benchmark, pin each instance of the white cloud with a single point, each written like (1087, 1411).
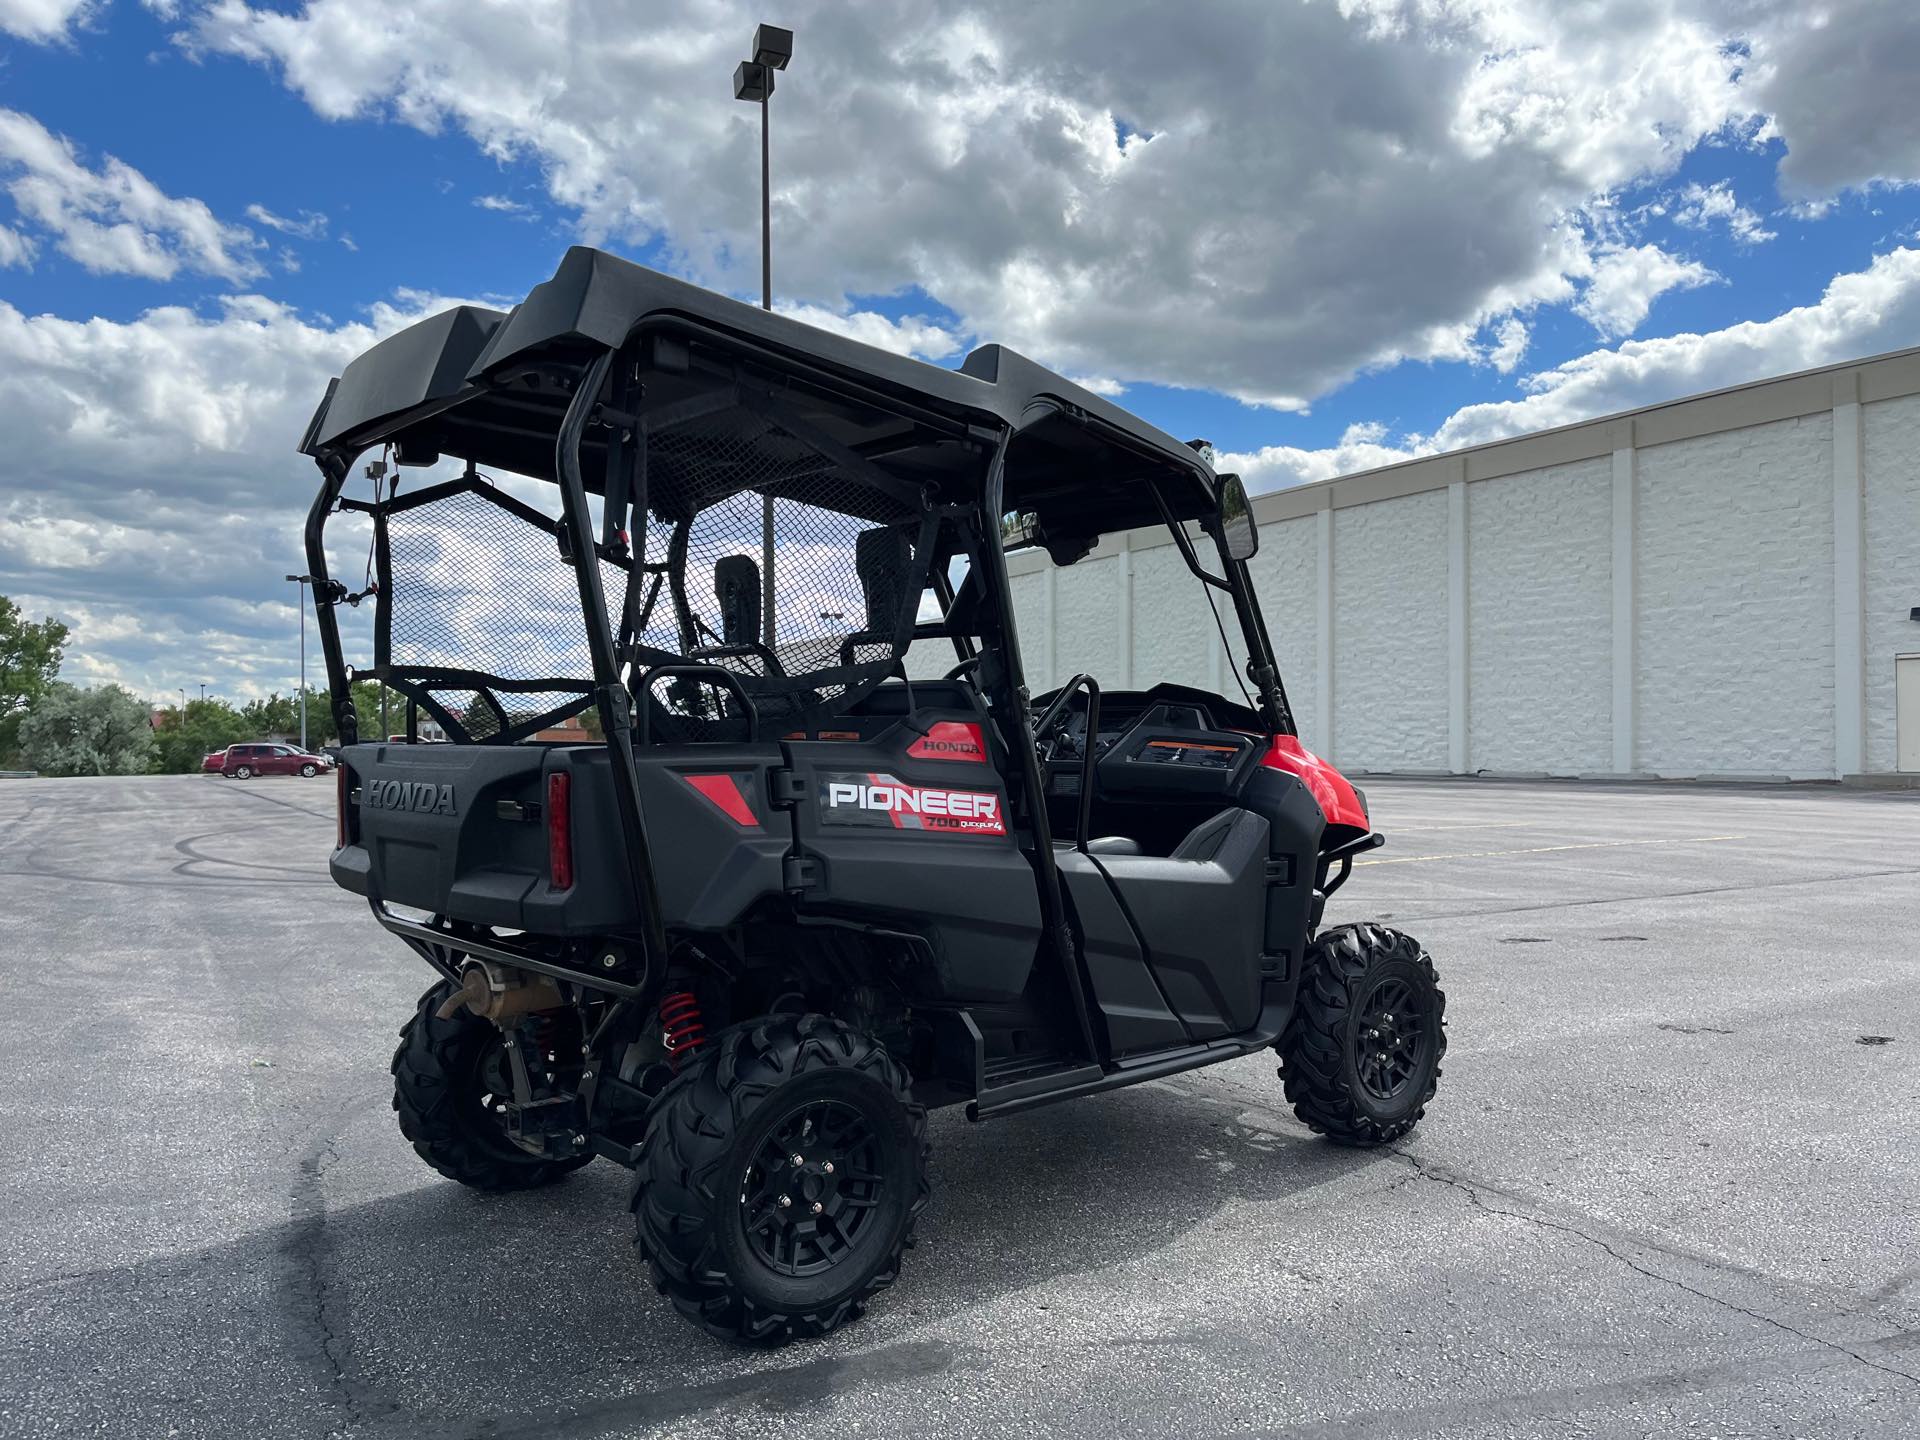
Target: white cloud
(1510, 345)
(1837, 80)
(1862, 313)
(114, 220)
(502, 205)
(1326, 188)
(1627, 280)
(44, 20)
(168, 496)
(15, 249)
(1362, 447)
(1701, 206)
(909, 335)
(309, 225)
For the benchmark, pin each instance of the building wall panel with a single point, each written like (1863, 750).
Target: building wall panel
(1539, 626)
(1390, 634)
(1733, 644)
(1890, 459)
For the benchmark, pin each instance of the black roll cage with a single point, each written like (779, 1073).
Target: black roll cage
(1001, 671)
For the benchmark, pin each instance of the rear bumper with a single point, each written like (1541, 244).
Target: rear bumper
(444, 947)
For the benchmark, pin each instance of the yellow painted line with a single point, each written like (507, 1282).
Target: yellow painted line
(1474, 825)
(1548, 849)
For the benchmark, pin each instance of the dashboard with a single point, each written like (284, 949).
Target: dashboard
(1168, 741)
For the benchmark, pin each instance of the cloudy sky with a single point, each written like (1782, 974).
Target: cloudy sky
(1324, 233)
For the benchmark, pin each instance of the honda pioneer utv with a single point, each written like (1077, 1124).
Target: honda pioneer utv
(728, 873)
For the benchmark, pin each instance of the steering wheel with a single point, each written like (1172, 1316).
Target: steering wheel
(1049, 726)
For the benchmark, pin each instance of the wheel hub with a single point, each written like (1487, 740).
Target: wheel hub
(1389, 1040)
(809, 1194)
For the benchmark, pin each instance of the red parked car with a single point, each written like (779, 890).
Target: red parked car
(243, 762)
(214, 764)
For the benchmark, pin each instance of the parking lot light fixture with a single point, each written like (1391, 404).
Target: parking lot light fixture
(753, 81)
(302, 581)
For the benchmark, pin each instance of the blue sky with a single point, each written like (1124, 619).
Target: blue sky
(1324, 235)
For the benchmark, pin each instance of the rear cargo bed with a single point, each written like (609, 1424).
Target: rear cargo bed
(463, 831)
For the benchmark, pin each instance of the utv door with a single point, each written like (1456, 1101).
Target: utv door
(907, 814)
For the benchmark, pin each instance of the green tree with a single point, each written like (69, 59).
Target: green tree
(102, 731)
(185, 737)
(280, 715)
(366, 708)
(29, 659)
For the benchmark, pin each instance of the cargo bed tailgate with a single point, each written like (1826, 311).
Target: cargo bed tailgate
(463, 831)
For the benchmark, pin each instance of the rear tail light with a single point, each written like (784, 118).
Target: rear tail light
(560, 829)
(342, 799)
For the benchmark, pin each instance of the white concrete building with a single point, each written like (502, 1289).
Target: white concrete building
(1723, 586)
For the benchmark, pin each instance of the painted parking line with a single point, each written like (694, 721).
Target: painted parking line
(1547, 849)
(1473, 825)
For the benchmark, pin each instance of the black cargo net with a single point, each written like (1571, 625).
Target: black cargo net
(478, 616)
(849, 553)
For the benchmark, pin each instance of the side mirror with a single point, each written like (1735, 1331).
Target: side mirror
(1237, 530)
(1020, 528)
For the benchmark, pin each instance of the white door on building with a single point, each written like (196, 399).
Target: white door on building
(1906, 709)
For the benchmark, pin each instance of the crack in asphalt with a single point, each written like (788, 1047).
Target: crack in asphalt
(1427, 1171)
(309, 1303)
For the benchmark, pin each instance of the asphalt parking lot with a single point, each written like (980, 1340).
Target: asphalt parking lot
(1671, 1184)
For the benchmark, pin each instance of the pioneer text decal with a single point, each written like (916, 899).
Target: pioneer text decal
(885, 801)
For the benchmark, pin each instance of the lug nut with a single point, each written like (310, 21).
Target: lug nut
(785, 1201)
(818, 1207)
(799, 1159)
(827, 1168)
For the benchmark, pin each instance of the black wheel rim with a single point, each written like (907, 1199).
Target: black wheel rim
(812, 1192)
(1390, 1039)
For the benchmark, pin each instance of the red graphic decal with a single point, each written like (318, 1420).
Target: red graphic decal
(725, 792)
(1327, 785)
(951, 740)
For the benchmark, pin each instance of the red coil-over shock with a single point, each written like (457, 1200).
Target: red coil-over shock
(680, 1025)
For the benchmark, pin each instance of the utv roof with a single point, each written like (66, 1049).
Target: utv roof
(491, 386)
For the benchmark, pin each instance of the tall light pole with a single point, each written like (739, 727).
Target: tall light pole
(203, 684)
(753, 81)
(302, 581)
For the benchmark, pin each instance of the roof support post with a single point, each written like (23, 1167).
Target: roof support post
(1123, 609)
(610, 694)
(336, 468)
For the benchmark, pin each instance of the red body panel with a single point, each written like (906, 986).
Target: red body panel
(951, 740)
(1338, 800)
